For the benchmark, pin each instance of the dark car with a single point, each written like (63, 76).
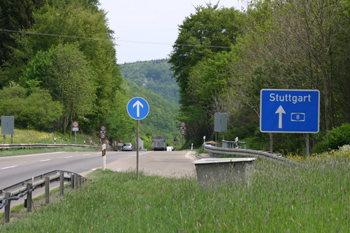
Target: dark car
(127, 146)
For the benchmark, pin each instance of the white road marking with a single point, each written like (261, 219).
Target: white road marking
(8, 167)
(68, 157)
(45, 160)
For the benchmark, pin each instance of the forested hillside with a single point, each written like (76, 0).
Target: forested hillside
(222, 58)
(155, 76)
(58, 65)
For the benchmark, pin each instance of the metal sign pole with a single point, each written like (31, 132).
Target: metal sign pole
(75, 136)
(271, 143)
(307, 145)
(137, 151)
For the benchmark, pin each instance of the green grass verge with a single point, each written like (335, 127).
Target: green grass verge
(280, 198)
(43, 150)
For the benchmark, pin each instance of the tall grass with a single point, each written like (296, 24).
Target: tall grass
(281, 198)
(26, 136)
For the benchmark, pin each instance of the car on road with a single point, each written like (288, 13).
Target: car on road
(127, 146)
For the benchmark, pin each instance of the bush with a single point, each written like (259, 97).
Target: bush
(335, 138)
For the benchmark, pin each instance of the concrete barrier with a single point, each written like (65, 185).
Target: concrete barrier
(212, 172)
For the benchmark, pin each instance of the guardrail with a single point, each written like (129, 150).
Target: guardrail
(216, 151)
(26, 187)
(40, 145)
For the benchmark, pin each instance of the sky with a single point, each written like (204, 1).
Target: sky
(146, 30)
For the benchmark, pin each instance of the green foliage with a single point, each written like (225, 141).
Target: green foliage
(37, 110)
(65, 73)
(87, 60)
(203, 34)
(335, 138)
(154, 76)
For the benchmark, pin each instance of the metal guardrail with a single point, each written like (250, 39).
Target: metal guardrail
(40, 145)
(26, 187)
(216, 151)
(233, 144)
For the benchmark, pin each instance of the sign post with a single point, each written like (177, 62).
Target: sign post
(138, 109)
(75, 128)
(289, 111)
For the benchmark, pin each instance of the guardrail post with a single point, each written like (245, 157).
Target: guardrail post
(47, 190)
(7, 207)
(72, 178)
(78, 181)
(61, 183)
(29, 198)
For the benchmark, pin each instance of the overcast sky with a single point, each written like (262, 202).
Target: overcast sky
(146, 30)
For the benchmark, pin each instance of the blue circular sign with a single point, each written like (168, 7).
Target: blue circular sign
(137, 108)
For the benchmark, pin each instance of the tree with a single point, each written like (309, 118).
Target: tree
(37, 110)
(64, 71)
(209, 31)
(202, 36)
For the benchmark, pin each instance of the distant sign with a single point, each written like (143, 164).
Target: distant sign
(102, 135)
(289, 111)
(137, 108)
(183, 124)
(75, 129)
(75, 124)
(7, 125)
(182, 132)
(103, 128)
(220, 122)
(120, 142)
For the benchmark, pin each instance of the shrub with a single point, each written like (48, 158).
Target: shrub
(334, 139)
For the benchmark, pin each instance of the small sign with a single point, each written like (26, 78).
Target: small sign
(183, 124)
(75, 124)
(7, 125)
(103, 128)
(183, 128)
(102, 135)
(75, 129)
(120, 142)
(220, 122)
(182, 132)
(137, 108)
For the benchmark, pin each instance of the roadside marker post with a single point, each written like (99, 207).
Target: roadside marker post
(103, 157)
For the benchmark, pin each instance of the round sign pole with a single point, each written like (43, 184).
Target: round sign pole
(137, 151)
(138, 109)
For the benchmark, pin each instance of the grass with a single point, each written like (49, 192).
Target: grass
(33, 136)
(26, 136)
(281, 198)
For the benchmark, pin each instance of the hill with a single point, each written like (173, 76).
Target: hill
(161, 117)
(154, 76)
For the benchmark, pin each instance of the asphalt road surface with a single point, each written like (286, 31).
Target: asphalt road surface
(14, 169)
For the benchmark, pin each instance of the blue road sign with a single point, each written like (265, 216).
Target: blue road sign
(289, 111)
(138, 108)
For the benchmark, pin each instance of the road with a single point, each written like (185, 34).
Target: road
(14, 169)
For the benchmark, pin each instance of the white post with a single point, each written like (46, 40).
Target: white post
(103, 157)
(191, 146)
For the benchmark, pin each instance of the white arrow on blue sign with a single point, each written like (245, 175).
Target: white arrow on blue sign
(138, 108)
(289, 111)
